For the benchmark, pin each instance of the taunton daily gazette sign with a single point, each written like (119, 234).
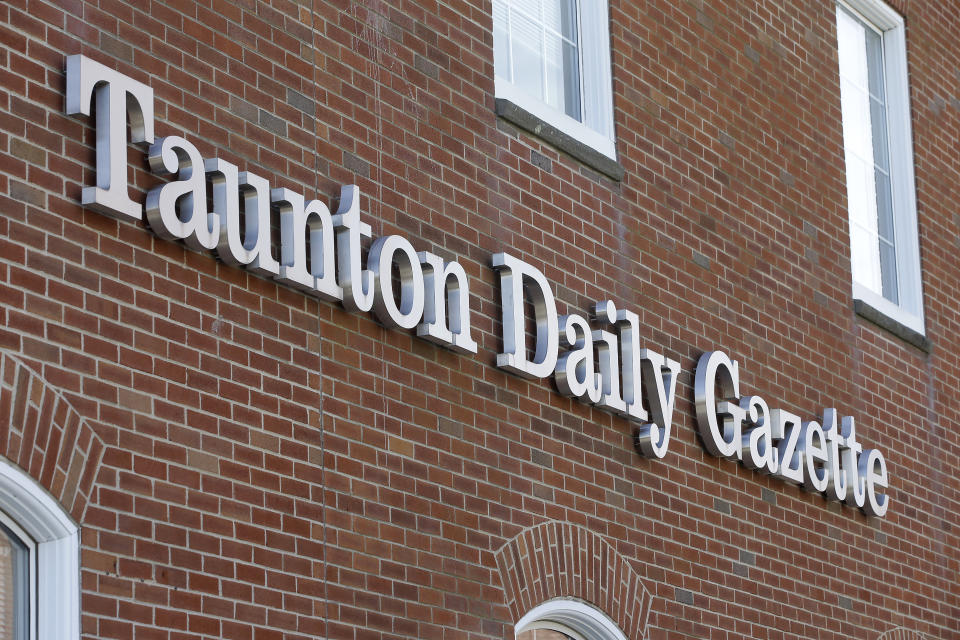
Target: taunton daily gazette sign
(596, 357)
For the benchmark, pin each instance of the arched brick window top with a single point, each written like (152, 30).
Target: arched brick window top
(562, 563)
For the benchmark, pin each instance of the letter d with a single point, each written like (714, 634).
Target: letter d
(514, 274)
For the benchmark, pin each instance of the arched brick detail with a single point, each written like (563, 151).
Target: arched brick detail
(902, 634)
(557, 559)
(45, 436)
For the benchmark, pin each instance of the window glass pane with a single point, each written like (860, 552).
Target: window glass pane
(14, 586)
(553, 60)
(559, 16)
(526, 41)
(861, 194)
(501, 40)
(888, 271)
(530, 8)
(855, 104)
(878, 120)
(851, 42)
(874, 56)
(561, 56)
(562, 75)
(884, 207)
(885, 231)
(865, 257)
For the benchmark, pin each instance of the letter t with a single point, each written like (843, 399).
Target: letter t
(117, 97)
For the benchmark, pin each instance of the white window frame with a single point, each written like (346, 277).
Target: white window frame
(55, 555)
(577, 619)
(596, 84)
(909, 311)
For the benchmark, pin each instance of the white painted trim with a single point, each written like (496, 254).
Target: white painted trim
(576, 130)
(909, 311)
(596, 80)
(568, 614)
(878, 13)
(57, 541)
(887, 308)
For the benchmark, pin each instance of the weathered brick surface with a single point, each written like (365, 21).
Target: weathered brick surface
(248, 462)
(42, 434)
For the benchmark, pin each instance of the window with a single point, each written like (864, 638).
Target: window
(565, 619)
(879, 161)
(39, 562)
(552, 59)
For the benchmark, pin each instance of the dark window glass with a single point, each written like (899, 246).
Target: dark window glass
(14, 586)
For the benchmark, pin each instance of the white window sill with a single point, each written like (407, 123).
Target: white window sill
(883, 313)
(558, 129)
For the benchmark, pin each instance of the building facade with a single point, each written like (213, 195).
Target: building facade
(518, 319)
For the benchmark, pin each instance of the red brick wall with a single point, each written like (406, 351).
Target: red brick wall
(275, 467)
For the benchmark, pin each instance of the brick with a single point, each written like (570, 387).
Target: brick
(272, 123)
(247, 461)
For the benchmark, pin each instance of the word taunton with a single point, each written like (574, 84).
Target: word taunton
(321, 253)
